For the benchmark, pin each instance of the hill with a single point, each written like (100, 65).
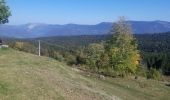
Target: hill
(25, 76)
(45, 30)
(147, 42)
(154, 48)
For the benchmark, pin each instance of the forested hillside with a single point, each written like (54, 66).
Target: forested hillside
(77, 50)
(155, 48)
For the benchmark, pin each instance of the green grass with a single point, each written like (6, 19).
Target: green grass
(3, 88)
(25, 76)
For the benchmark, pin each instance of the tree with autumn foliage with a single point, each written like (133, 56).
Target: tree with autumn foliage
(122, 49)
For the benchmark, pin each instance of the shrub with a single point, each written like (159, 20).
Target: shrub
(70, 59)
(153, 74)
(141, 71)
(58, 56)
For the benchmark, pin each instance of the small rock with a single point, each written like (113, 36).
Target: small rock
(102, 77)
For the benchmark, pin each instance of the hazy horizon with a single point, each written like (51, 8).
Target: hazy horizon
(82, 24)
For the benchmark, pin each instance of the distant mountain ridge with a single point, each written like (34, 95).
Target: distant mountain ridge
(34, 30)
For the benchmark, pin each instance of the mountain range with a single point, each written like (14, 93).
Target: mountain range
(34, 30)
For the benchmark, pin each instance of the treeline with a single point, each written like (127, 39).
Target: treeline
(155, 51)
(92, 51)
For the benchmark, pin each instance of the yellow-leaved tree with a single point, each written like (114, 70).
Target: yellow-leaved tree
(122, 49)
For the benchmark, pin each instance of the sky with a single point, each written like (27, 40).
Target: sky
(86, 11)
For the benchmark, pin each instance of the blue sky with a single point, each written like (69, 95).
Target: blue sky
(86, 11)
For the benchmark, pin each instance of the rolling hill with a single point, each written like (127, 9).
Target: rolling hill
(25, 76)
(45, 30)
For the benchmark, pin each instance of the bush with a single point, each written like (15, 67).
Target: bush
(70, 59)
(109, 72)
(141, 71)
(58, 56)
(153, 74)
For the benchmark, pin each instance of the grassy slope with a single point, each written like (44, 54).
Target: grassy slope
(28, 77)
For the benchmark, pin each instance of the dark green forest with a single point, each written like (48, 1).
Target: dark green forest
(154, 48)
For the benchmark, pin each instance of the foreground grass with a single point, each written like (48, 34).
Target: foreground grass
(28, 77)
